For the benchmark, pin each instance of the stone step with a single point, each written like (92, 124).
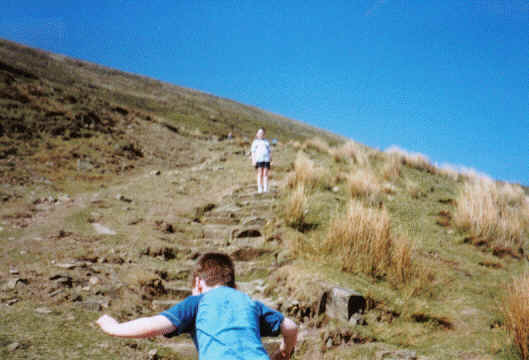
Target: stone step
(216, 231)
(221, 219)
(248, 242)
(187, 349)
(216, 244)
(253, 196)
(260, 204)
(253, 221)
(226, 209)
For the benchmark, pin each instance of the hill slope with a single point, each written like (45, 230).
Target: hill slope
(112, 184)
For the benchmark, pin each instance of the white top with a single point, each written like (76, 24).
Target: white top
(261, 150)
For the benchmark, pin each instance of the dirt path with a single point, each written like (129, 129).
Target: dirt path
(158, 221)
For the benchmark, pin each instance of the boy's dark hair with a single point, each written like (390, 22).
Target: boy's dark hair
(215, 269)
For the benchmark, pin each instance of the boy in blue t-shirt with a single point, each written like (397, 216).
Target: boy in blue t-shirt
(223, 322)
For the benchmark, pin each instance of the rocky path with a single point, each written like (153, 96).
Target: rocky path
(237, 226)
(128, 249)
(111, 250)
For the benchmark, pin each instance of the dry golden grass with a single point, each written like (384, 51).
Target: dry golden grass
(516, 312)
(496, 213)
(411, 159)
(295, 144)
(350, 151)
(317, 144)
(361, 237)
(305, 173)
(402, 261)
(413, 188)
(363, 182)
(391, 169)
(450, 171)
(296, 207)
(407, 270)
(362, 240)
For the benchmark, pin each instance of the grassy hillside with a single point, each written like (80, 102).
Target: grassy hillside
(77, 114)
(112, 184)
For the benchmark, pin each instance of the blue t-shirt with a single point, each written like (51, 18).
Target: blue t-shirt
(225, 324)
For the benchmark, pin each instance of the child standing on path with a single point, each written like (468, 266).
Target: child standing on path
(225, 324)
(261, 157)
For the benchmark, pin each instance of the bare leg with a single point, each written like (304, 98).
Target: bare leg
(265, 179)
(259, 180)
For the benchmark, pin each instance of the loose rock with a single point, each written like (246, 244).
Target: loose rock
(62, 280)
(153, 354)
(13, 346)
(123, 198)
(12, 283)
(12, 301)
(103, 230)
(43, 310)
(96, 304)
(70, 266)
(64, 198)
(340, 303)
(396, 355)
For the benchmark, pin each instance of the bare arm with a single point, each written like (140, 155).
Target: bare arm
(139, 328)
(289, 330)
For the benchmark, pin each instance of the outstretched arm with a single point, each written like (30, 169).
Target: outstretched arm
(139, 328)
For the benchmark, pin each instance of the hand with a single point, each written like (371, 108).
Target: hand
(106, 323)
(281, 354)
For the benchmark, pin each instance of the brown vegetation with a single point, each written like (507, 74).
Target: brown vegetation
(361, 237)
(350, 151)
(413, 160)
(363, 182)
(317, 144)
(296, 207)
(362, 240)
(497, 214)
(516, 312)
(305, 173)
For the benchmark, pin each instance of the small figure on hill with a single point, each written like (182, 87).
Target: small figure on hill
(261, 158)
(224, 323)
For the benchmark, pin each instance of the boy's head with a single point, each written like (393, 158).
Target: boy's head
(214, 269)
(260, 133)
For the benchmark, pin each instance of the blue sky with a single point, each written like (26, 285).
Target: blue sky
(449, 79)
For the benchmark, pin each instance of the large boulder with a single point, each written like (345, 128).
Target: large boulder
(340, 303)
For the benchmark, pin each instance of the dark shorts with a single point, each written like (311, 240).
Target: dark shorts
(262, 164)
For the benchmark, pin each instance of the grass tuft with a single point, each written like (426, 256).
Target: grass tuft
(361, 237)
(296, 207)
(363, 182)
(317, 144)
(498, 214)
(391, 170)
(350, 151)
(305, 173)
(412, 159)
(516, 312)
